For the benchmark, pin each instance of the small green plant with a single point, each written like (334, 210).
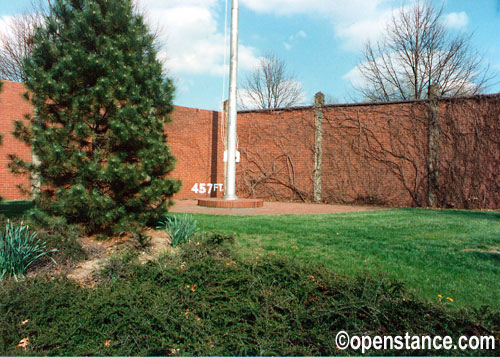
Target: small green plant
(180, 228)
(19, 248)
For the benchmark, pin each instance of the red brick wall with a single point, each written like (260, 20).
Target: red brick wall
(278, 153)
(277, 150)
(194, 136)
(13, 106)
(375, 154)
(470, 153)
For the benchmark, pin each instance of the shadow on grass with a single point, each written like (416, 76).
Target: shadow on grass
(12, 209)
(492, 257)
(490, 215)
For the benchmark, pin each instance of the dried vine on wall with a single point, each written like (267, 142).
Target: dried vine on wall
(276, 155)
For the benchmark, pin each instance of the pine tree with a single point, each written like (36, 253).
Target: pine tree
(1, 85)
(100, 101)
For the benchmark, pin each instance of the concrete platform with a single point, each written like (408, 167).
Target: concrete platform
(239, 203)
(270, 208)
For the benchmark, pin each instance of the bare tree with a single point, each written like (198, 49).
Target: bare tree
(417, 51)
(270, 86)
(16, 40)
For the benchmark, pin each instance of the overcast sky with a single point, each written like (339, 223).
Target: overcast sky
(320, 40)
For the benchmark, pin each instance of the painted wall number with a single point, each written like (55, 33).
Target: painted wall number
(202, 188)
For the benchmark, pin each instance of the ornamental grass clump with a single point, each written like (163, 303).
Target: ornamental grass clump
(19, 248)
(180, 228)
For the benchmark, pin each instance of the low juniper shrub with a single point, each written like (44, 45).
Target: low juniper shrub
(118, 265)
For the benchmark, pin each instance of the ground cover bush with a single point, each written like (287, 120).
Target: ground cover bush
(203, 300)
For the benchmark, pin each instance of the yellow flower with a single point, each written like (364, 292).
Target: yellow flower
(449, 299)
(440, 296)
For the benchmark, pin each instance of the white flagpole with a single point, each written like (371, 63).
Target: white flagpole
(230, 189)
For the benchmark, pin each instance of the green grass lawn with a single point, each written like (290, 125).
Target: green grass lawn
(264, 292)
(450, 253)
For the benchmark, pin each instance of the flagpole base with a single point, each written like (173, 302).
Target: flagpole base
(223, 203)
(229, 197)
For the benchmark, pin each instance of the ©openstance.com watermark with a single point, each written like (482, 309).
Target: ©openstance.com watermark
(408, 342)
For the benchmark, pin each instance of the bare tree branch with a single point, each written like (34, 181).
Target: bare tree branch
(416, 52)
(16, 40)
(270, 86)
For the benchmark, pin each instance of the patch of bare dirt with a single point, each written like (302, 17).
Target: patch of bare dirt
(159, 243)
(99, 251)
